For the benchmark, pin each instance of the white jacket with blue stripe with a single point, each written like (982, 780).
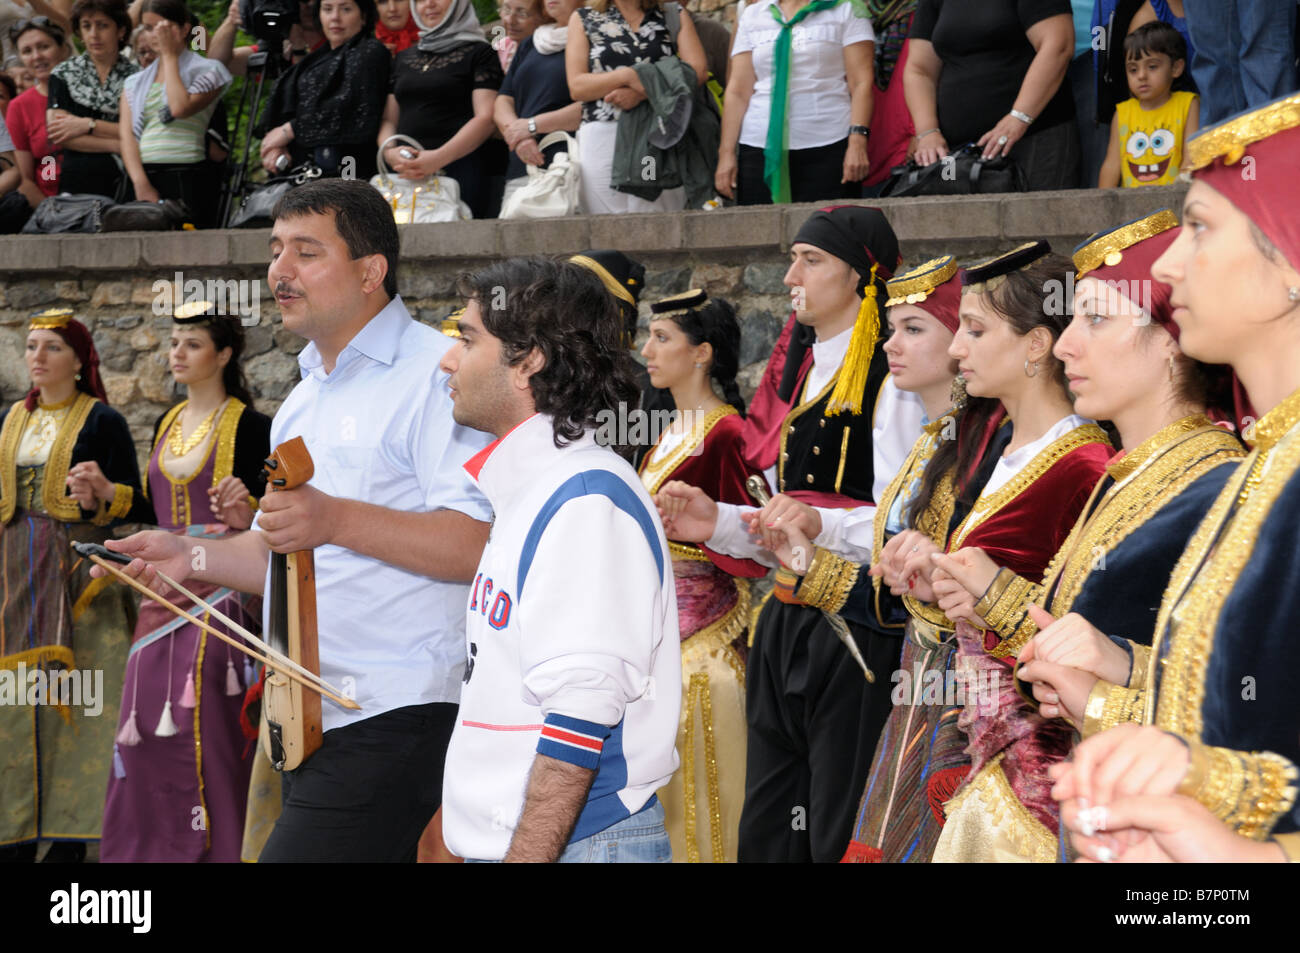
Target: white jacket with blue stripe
(572, 640)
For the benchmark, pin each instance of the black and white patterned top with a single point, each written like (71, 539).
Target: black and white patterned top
(75, 87)
(614, 44)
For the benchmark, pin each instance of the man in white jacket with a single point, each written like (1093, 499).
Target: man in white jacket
(569, 712)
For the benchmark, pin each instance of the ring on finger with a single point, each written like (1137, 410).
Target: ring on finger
(1002, 140)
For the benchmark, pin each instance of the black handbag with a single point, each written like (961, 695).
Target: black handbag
(68, 213)
(255, 210)
(963, 172)
(162, 216)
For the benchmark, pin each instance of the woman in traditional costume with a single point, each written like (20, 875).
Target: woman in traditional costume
(1218, 701)
(1124, 365)
(694, 342)
(63, 636)
(181, 765)
(1021, 459)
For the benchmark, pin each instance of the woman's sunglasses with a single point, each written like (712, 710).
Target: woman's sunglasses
(44, 24)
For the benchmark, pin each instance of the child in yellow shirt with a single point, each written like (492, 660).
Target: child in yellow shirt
(1148, 131)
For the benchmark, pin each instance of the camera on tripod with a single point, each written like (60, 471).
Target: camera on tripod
(269, 20)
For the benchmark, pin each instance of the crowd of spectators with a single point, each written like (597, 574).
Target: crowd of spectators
(815, 99)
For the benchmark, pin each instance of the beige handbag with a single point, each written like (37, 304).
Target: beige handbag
(432, 199)
(552, 191)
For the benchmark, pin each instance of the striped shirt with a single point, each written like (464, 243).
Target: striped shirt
(180, 141)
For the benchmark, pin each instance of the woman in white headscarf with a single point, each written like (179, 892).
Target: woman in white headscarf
(442, 94)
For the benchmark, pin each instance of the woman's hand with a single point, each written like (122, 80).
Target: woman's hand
(971, 569)
(724, 177)
(1127, 760)
(277, 138)
(687, 512)
(87, 483)
(889, 564)
(229, 501)
(170, 38)
(856, 163)
(515, 132)
(625, 97)
(271, 157)
(999, 140)
(530, 153)
(792, 548)
(1074, 641)
(953, 599)
(427, 162)
(930, 148)
(61, 126)
(144, 192)
(780, 513)
(904, 565)
(1062, 692)
(1172, 829)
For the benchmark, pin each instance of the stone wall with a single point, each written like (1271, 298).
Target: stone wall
(736, 253)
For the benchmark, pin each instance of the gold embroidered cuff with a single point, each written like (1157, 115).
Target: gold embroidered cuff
(1137, 676)
(1096, 707)
(122, 499)
(120, 505)
(1110, 705)
(828, 581)
(1290, 844)
(1248, 791)
(1003, 607)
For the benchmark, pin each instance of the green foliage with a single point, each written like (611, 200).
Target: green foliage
(486, 10)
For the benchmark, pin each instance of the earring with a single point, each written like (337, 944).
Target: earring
(698, 365)
(78, 377)
(957, 395)
(1028, 365)
(1293, 294)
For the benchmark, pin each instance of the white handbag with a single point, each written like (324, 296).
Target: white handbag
(549, 192)
(432, 199)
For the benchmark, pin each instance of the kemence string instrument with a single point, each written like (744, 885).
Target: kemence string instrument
(291, 726)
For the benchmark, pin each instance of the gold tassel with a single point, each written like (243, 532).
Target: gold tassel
(852, 380)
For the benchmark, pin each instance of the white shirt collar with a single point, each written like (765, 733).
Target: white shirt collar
(512, 462)
(828, 355)
(377, 340)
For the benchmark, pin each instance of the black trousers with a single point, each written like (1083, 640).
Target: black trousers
(814, 175)
(368, 793)
(814, 721)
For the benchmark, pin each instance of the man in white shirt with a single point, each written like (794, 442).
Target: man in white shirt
(813, 718)
(396, 529)
(568, 718)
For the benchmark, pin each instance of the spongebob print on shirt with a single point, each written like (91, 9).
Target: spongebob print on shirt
(1151, 141)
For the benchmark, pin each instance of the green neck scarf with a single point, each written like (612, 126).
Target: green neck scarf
(776, 151)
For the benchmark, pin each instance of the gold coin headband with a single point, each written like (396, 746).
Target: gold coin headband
(916, 284)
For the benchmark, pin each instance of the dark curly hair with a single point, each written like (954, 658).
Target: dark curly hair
(715, 322)
(564, 312)
(115, 10)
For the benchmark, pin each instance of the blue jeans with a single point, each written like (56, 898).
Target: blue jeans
(639, 839)
(1245, 53)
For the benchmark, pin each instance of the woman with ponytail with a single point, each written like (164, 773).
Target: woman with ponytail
(180, 725)
(67, 471)
(694, 351)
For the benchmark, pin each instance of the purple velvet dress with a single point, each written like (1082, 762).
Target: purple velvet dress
(181, 797)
